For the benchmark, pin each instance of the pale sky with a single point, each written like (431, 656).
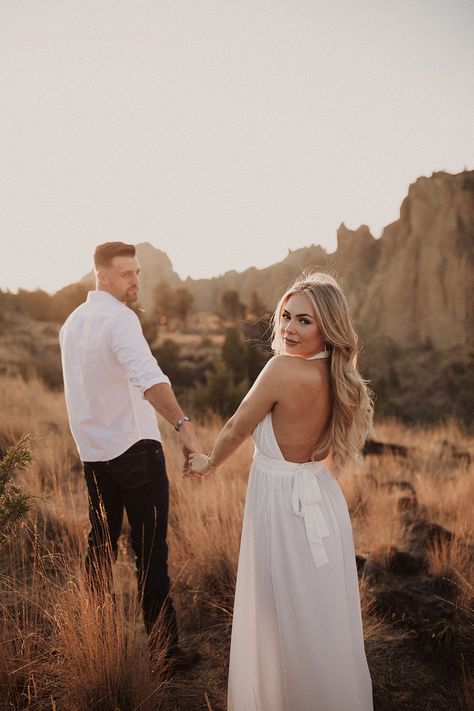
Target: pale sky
(223, 132)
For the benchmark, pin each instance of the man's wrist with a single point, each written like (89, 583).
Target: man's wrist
(181, 421)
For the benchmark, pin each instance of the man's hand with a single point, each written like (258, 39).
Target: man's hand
(190, 443)
(163, 399)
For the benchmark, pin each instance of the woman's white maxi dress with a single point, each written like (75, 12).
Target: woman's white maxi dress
(297, 640)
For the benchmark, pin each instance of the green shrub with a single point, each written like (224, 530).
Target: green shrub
(219, 394)
(234, 354)
(15, 503)
(167, 356)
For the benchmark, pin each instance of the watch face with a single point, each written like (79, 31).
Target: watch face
(180, 422)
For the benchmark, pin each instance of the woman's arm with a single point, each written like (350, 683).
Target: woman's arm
(260, 399)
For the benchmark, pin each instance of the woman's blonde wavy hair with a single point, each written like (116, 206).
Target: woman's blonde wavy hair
(351, 415)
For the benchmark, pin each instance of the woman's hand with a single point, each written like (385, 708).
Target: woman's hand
(200, 464)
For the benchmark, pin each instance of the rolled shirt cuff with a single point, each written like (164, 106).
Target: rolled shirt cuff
(156, 380)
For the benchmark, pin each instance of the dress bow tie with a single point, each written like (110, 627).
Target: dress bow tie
(306, 499)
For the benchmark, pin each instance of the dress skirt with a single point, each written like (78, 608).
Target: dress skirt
(297, 640)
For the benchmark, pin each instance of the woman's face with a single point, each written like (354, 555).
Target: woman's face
(301, 335)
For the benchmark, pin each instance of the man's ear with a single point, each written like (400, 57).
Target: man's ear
(101, 277)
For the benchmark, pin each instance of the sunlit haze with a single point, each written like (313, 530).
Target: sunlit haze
(223, 133)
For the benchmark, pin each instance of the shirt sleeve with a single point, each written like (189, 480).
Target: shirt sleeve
(133, 352)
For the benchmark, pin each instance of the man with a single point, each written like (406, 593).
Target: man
(112, 382)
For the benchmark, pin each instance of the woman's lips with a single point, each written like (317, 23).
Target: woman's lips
(290, 342)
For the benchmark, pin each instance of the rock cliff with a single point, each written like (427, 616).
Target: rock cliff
(419, 275)
(413, 285)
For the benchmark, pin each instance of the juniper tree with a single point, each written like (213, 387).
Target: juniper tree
(231, 306)
(14, 502)
(182, 303)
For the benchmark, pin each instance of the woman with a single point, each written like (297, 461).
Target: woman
(297, 640)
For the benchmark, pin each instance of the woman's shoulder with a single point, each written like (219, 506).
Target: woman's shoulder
(287, 366)
(279, 363)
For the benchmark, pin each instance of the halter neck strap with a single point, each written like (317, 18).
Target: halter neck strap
(322, 354)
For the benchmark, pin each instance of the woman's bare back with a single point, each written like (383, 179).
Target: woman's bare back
(302, 412)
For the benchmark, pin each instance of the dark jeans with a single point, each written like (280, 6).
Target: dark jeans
(137, 482)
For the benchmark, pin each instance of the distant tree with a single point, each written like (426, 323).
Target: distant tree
(219, 394)
(256, 359)
(382, 396)
(256, 307)
(14, 502)
(393, 381)
(460, 383)
(231, 306)
(36, 304)
(182, 302)
(163, 303)
(149, 327)
(234, 354)
(64, 301)
(257, 337)
(167, 355)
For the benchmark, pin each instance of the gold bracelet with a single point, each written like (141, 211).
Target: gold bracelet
(208, 457)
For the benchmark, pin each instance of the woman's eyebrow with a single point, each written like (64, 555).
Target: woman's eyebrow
(285, 311)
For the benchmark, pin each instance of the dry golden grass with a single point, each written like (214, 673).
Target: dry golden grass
(63, 648)
(63, 644)
(452, 560)
(450, 501)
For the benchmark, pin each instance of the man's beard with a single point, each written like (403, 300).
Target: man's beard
(131, 296)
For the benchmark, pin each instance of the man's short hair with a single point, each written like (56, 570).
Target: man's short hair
(104, 253)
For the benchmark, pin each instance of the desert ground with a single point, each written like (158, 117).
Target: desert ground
(65, 649)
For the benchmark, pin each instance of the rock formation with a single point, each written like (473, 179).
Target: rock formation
(413, 285)
(419, 274)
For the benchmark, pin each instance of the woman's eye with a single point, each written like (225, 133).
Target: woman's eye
(304, 321)
(285, 317)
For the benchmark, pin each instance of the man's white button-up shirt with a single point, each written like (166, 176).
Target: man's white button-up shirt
(107, 366)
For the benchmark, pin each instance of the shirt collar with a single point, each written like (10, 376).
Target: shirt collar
(105, 296)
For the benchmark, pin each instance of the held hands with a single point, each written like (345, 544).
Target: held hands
(195, 462)
(200, 464)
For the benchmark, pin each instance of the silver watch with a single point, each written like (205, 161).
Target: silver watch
(180, 422)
